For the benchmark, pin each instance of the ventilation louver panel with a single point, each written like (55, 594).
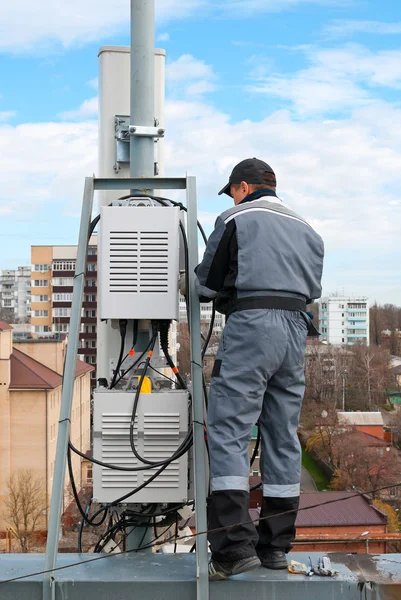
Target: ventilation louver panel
(116, 450)
(139, 262)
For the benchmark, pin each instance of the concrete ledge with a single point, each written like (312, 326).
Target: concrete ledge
(172, 577)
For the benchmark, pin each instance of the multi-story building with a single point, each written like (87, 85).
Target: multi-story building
(344, 319)
(53, 269)
(30, 396)
(15, 294)
(206, 313)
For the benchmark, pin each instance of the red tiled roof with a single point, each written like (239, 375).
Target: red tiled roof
(350, 511)
(82, 368)
(27, 373)
(5, 326)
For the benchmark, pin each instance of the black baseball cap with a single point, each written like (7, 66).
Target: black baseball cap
(251, 170)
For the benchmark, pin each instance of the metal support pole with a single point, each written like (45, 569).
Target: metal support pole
(202, 582)
(142, 149)
(49, 590)
(142, 111)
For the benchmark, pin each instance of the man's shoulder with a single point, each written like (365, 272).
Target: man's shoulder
(257, 205)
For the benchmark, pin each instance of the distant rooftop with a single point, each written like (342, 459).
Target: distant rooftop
(5, 326)
(351, 510)
(27, 373)
(360, 418)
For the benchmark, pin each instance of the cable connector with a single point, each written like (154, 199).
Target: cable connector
(164, 327)
(122, 324)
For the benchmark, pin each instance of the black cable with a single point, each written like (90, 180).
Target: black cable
(123, 332)
(256, 449)
(92, 226)
(162, 374)
(134, 364)
(176, 534)
(82, 523)
(227, 527)
(90, 521)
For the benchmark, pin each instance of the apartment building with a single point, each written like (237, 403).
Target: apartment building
(53, 270)
(206, 313)
(344, 319)
(15, 294)
(30, 397)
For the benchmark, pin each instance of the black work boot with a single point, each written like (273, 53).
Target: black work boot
(219, 570)
(273, 559)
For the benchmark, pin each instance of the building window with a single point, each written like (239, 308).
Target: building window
(67, 265)
(93, 344)
(43, 298)
(61, 312)
(63, 281)
(343, 340)
(62, 297)
(40, 282)
(40, 313)
(93, 359)
(255, 473)
(91, 267)
(7, 303)
(92, 252)
(93, 328)
(42, 329)
(61, 327)
(41, 267)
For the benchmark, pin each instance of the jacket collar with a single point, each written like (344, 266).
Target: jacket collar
(259, 194)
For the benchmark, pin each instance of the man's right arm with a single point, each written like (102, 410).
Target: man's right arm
(212, 271)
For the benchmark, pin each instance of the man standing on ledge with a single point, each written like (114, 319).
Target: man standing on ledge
(262, 265)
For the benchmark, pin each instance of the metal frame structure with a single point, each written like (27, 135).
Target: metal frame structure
(92, 185)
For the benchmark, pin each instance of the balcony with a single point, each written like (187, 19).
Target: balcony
(61, 319)
(89, 320)
(62, 289)
(87, 351)
(63, 273)
(62, 304)
(87, 336)
(89, 304)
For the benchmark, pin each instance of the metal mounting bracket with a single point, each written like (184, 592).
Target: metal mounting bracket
(122, 132)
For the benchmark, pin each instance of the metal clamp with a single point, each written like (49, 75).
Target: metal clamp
(142, 131)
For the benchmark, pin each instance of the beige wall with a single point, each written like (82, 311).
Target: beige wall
(65, 252)
(29, 426)
(5, 350)
(42, 255)
(52, 357)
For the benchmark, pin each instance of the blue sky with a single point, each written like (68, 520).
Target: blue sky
(310, 86)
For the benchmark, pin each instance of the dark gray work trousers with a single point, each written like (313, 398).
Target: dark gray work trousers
(258, 376)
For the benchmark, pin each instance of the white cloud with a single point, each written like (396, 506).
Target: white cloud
(343, 175)
(163, 37)
(337, 79)
(79, 22)
(6, 115)
(191, 76)
(88, 109)
(55, 157)
(343, 28)
(187, 67)
(94, 83)
(200, 87)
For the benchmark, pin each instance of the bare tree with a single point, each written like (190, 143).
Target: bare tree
(184, 352)
(363, 467)
(26, 506)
